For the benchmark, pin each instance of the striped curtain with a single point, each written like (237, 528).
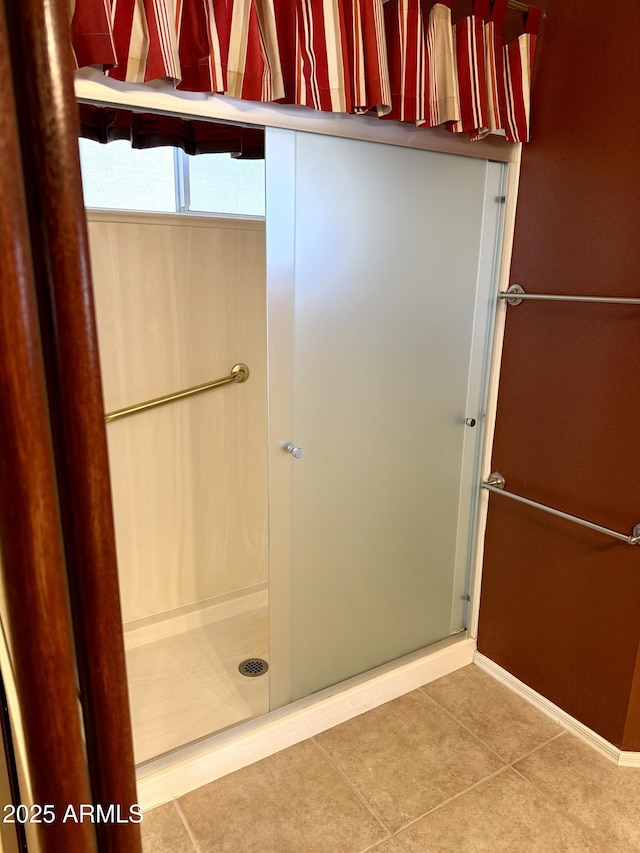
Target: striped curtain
(398, 59)
(518, 69)
(472, 71)
(494, 65)
(422, 63)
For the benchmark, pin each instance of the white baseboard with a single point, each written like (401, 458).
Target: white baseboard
(629, 759)
(618, 756)
(190, 768)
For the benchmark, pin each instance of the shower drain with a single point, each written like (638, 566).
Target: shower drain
(253, 667)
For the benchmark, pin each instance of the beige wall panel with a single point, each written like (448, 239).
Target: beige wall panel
(179, 301)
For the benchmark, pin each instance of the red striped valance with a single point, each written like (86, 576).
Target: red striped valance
(403, 59)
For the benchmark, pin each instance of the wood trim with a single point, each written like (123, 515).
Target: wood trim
(30, 538)
(48, 124)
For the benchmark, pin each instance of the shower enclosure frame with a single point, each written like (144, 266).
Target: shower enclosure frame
(60, 586)
(198, 763)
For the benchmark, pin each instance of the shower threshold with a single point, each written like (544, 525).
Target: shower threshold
(193, 766)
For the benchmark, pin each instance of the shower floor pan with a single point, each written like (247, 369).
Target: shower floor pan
(184, 682)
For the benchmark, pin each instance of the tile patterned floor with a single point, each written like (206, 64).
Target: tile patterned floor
(462, 764)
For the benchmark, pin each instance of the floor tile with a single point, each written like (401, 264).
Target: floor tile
(164, 832)
(393, 845)
(501, 719)
(502, 815)
(407, 757)
(590, 787)
(292, 802)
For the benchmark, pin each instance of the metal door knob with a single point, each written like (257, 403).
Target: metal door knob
(296, 452)
(470, 422)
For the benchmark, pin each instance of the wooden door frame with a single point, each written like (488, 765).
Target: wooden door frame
(55, 501)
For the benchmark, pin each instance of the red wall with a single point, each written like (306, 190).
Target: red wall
(560, 605)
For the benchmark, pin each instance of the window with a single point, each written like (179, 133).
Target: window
(221, 183)
(166, 180)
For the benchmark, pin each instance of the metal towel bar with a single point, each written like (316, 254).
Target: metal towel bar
(516, 294)
(496, 484)
(239, 373)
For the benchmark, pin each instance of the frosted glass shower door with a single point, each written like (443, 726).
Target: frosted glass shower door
(380, 259)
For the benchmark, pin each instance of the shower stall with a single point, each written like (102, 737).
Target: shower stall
(284, 534)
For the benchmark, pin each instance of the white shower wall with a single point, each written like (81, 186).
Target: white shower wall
(180, 300)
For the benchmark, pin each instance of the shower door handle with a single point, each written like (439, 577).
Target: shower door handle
(296, 452)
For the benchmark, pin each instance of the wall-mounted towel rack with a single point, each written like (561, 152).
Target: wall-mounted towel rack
(239, 373)
(496, 484)
(516, 294)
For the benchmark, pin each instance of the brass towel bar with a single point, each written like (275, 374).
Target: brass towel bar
(239, 373)
(496, 484)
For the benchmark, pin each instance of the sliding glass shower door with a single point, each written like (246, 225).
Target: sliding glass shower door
(380, 267)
